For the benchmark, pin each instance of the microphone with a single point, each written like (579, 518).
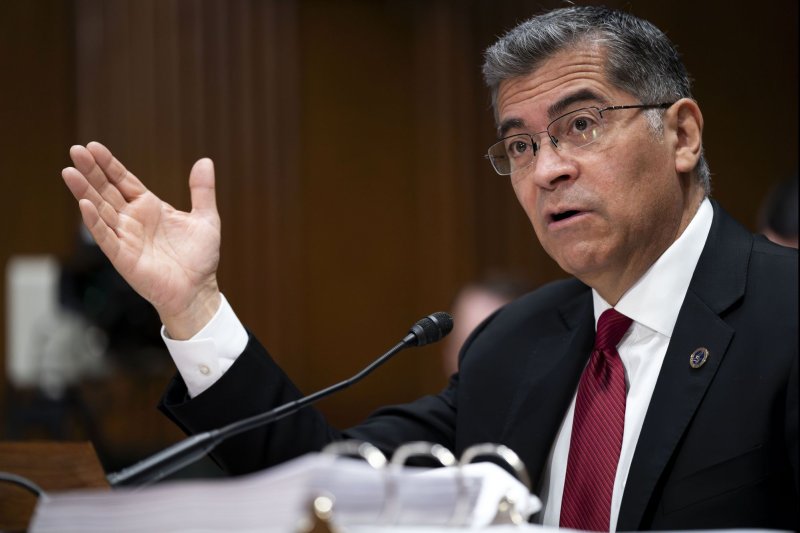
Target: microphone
(430, 329)
(149, 470)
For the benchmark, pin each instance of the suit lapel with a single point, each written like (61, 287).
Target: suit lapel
(550, 378)
(678, 392)
(718, 281)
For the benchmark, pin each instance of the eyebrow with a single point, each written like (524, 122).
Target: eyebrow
(580, 96)
(555, 110)
(509, 124)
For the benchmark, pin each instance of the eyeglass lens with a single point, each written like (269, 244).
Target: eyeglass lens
(573, 130)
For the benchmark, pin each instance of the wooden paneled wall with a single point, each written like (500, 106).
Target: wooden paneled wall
(347, 138)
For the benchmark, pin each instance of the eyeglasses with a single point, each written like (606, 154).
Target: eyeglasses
(574, 130)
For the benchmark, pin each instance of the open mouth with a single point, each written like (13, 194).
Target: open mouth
(558, 217)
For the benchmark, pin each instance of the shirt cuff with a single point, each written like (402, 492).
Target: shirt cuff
(204, 358)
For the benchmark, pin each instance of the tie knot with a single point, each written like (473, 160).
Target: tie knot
(610, 329)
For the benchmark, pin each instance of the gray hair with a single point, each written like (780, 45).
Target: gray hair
(640, 59)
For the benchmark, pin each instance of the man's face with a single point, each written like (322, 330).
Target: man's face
(622, 193)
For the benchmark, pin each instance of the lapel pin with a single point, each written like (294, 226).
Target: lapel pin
(698, 357)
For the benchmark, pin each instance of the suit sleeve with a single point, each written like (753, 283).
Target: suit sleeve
(256, 384)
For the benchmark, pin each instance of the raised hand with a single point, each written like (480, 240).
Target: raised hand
(169, 257)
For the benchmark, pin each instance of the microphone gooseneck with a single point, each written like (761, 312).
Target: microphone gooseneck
(149, 470)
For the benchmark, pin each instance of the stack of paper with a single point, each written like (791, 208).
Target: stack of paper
(279, 499)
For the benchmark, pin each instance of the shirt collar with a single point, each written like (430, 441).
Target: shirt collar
(655, 300)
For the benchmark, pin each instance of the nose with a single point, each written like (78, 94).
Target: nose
(551, 167)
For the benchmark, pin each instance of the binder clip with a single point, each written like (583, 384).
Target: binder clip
(322, 506)
(372, 455)
(400, 456)
(507, 512)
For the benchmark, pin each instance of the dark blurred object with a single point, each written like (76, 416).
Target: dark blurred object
(778, 216)
(91, 287)
(98, 365)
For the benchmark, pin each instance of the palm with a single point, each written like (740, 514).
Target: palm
(163, 253)
(169, 257)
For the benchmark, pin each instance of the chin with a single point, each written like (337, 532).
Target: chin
(579, 265)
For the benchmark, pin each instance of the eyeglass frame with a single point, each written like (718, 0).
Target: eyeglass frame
(662, 105)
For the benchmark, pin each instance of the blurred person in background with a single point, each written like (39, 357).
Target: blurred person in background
(472, 304)
(778, 217)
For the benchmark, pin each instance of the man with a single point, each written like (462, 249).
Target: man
(681, 413)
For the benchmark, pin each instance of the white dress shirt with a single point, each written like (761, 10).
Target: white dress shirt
(203, 359)
(652, 303)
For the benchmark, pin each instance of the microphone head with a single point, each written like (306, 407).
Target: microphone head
(430, 329)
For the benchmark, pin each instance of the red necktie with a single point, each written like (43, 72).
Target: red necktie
(596, 431)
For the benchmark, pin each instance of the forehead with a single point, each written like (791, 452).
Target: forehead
(572, 76)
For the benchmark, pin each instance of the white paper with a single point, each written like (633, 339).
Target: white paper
(279, 499)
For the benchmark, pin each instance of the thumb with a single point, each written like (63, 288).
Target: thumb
(201, 185)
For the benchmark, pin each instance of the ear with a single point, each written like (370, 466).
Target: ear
(685, 118)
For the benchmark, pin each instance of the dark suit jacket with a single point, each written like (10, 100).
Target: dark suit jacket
(719, 445)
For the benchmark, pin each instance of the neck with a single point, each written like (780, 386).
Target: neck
(612, 286)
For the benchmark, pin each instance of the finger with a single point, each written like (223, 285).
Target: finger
(104, 236)
(201, 185)
(86, 164)
(81, 189)
(123, 180)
